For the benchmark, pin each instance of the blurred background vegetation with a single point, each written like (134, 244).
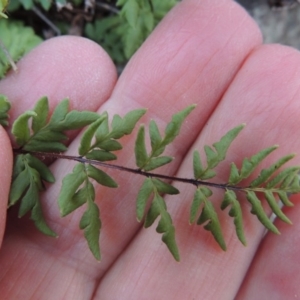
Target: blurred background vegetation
(121, 26)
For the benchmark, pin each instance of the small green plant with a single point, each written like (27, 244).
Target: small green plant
(120, 28)
(122, 34)
(39, 135)
(15, 41)
(18, 40)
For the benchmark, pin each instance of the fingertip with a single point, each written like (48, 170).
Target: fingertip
(195, 52)
(62, 67)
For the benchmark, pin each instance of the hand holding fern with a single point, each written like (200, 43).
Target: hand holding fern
(177, 66)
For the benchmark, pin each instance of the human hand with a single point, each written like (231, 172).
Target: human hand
(204, 52)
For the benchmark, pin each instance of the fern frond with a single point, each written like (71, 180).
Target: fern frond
(98, 141)
(43, 136)
(235, 211)
(165, 226)
(214, 156)
(40, 135)
(155, 186)
(28, 176)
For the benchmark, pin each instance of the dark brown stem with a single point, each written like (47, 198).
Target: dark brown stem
(80, 159)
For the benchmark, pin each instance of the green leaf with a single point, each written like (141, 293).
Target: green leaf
(39, 220)
(258, 210)
(125, 126)
(116, 125)
(19, 186)
(157, 162)
(275, 207)
(41, 109)
(265, 174)
(20, 128)
(282, 176)
(39, 146)
(288, 180)
(169, 239)
(173, 128)
(77, 119)
(100, 155)
(155, 139)
(285, 199)
(59, 112)
(249, 165)
(152, 214)
(197, 165)
(165, 226)
(109, 145)
(4, 108)
(164, 188)
(29, 200)
(46, 4)
(208, 174)
(221, 147)
(199, 198)
(103, 130)
(130, 12)
(70, 185)
(46, 135)
(19, 165)
(295, 185)
(235, 212)
(41, 168)
(130, 120)
(148, 19)
(234, 176)
(78, 199)
(101, 177)
(86, 139)
(91, 224)
(142, 198)
(141, 155)
(209, 214)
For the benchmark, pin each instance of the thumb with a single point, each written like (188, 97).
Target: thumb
(6, 163)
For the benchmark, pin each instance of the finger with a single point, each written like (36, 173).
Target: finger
(263, 94)
(274, 272)
(185, 60)
(59, 68)
(6, 159)
(64, 67)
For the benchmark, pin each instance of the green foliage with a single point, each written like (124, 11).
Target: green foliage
(3, 5)
(153, 161)
(235, 211)
(29, 4)
(18, 40)
(46, 136)
(121, 35)
(40, 134)
(28, 176)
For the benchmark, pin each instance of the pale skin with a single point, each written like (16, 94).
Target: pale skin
(204, 52)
